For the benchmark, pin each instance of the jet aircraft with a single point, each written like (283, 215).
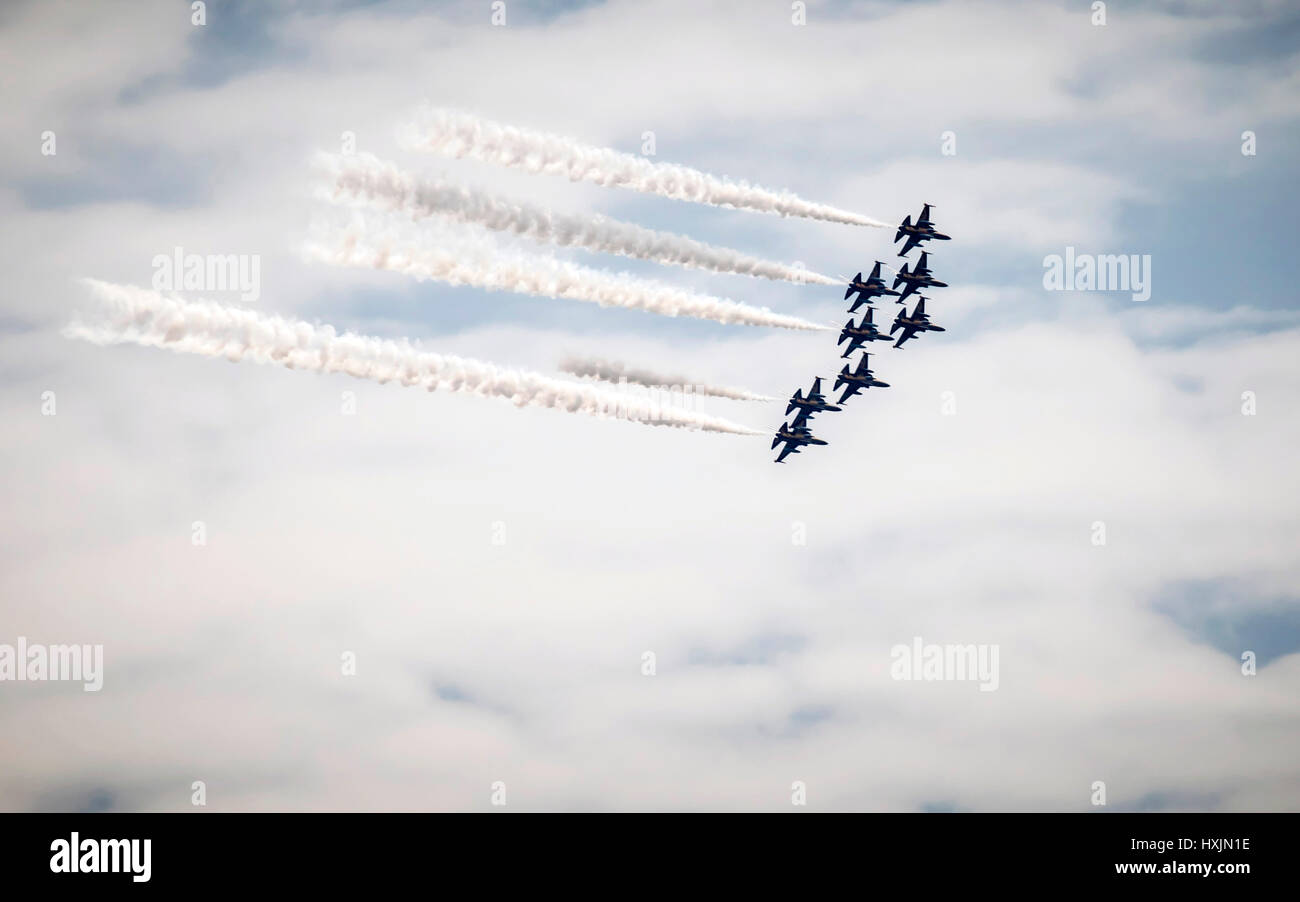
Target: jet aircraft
(857, 380)
(873, 287)
(861, 333)
(922, 231)
(807, 405)
(795, 437)
(919, 277)
(917, 322)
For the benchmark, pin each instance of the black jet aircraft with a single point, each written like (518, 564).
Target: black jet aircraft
(919, 277)
(860, 334)
(794, 437)
(917, 322)
(813, 402)
(922, 231)
(873, 287)
(857, 380)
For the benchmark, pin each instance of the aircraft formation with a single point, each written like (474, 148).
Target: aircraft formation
(796, 433)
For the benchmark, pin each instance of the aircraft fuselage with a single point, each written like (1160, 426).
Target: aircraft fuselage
(814, 406)
(919, 325)
(922, 280)
(924, 232)
(872, 288)
(793, 438)
(865, 380)
(864, 334)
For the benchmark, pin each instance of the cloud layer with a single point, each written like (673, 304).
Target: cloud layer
(499, 576)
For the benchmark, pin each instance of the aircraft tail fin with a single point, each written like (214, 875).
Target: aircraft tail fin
(907, 221)
(848, 291)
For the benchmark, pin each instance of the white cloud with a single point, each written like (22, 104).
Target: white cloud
(372, 533)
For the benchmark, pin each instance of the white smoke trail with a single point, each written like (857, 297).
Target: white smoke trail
(615, 371)
(364, 178)
(141, 316)
(466, 257)
(455, 134)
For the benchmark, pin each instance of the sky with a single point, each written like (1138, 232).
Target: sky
(498, 575)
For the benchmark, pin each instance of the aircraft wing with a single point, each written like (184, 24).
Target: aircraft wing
(924, 263)
(910, 287)
(800, 418)
(849, 391)
(912, 241)
(853, 346)
(924, 218)
(789, 446)
(908, 332)
(817, 386)
(920, 308)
